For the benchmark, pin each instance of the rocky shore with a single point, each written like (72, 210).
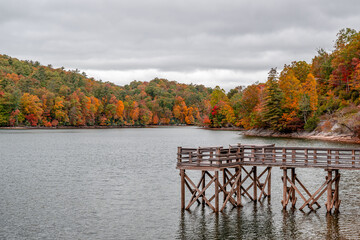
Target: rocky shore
(335, 135)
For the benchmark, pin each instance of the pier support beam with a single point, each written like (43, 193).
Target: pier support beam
(336, 193)
(332, 200)
(217, 191)
(293, 198)
(203, 186)
(238, 189)
(285, 191)
(329, 192)
(289, 192)
(182, 175)
(257, 184)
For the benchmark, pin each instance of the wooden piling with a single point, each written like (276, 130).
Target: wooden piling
(337, 181)
(269, 182)
(217, 191)
(329, 191)
(238, 189)
(255, 183)
(284, 178)
(293, 198)
(182, 175)
(203, 186)
(224, 183)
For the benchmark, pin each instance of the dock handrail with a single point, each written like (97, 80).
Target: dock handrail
(269, 155)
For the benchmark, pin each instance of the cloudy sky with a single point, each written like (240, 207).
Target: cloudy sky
(210, 42)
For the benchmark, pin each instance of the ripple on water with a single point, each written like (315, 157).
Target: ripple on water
(122, 184)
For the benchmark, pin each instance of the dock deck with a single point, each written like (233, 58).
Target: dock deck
(233, 161)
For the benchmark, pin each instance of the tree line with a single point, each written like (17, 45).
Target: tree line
(294, 99)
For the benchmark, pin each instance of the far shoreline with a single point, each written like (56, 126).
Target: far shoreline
(89, 127)
(247, 133)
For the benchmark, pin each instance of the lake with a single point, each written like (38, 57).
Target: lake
(122, 184)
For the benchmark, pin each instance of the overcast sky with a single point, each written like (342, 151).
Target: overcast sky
(211, 42)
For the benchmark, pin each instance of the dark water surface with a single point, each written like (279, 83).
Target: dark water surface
(122, 184)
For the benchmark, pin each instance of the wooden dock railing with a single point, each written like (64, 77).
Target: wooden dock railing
(233, 164)
(268, 155)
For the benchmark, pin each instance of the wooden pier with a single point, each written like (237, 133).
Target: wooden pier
(233, 172)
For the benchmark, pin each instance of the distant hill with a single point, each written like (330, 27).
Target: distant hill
(36, 95)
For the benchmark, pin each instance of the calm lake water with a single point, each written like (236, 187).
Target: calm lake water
(122, 184)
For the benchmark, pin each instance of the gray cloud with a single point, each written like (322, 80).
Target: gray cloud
(182, 37)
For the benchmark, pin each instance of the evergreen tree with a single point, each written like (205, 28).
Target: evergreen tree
(273, 99)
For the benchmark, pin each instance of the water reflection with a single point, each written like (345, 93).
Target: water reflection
(289, 228)
(255, 221)
(332, 225)
(98, 184)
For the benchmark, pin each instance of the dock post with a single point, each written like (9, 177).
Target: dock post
(269, 182)
(284, 178)
(329, 191)
(238, 194)
(203, 186)
(293, 198)
(336, 194)
(182, 174)
(216, 191)
(224, 183)
(255, 183)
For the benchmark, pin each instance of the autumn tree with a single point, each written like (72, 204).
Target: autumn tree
(31, 108)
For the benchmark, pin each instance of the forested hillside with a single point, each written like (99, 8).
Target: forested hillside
(35, 95)
(302, 96)
(323, 94)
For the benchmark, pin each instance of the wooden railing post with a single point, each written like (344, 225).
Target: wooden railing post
(179, 154)
(284, 156)
(218, 155)
(353, 158)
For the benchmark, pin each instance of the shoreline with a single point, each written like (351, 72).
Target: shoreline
(345, 138)
(88, 127)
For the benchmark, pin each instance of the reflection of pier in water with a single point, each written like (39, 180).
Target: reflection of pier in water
(256, 221)
(233, 172)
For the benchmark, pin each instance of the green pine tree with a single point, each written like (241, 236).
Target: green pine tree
(273, 99)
